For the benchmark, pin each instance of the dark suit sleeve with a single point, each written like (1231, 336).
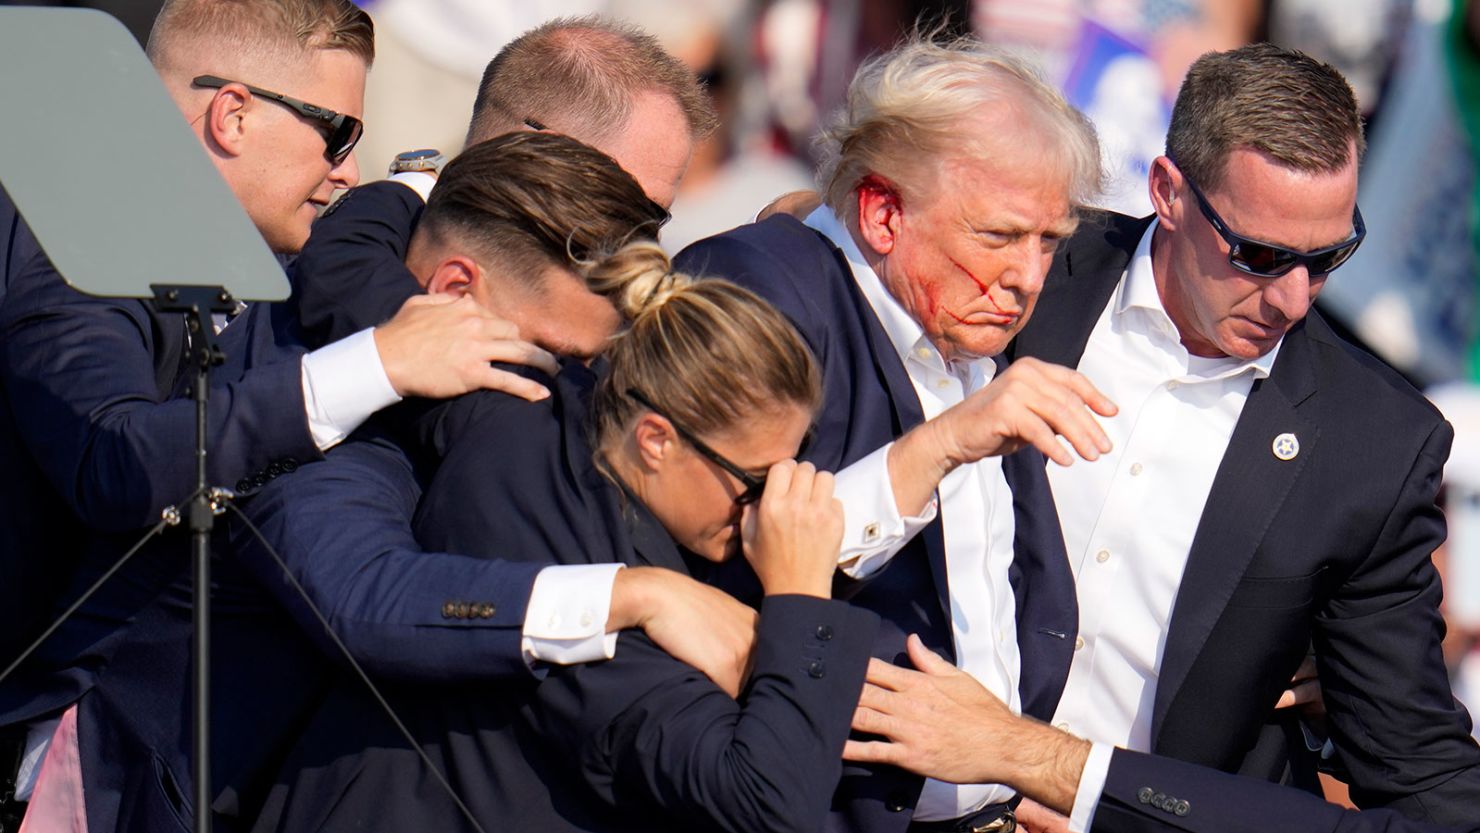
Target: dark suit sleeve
(80, 376)
(1146, 794)
(1402, 738)
(648, 730)
(352, 273)
(344, 528)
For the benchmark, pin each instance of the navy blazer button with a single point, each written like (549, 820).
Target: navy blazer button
(243, 485)
(817, 670)
(289, 465)
(462, 610)
(824, 632)
(895, 803)
(273, 470)
(449, 610)
(1182, 808)
(485, 611)
(1144, 795)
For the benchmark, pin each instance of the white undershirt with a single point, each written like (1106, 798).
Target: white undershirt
(1129, 518)
(976, 517)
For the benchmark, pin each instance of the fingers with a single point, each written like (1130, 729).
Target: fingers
(885, 675)
(778, 479)
(1308, 691)
(513, 384)
(927, 660)
(871, 752)
(522, 353)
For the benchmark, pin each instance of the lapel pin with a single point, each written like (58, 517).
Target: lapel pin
(1286, 446)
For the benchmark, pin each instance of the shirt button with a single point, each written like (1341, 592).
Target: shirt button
(943, 383)
(1102, 556)
(1173, 385)
(817, 670)
(1062, 727)
(1078, 643)
(922, 352)
(587, 619)
(555, 621)
(1135, 469)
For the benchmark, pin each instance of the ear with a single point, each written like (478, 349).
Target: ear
(1166, 184)
(655, 440)
(880, 212)
(455, 276)
(225, 121)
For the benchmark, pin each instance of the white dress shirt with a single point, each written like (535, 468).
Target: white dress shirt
(1129, 517)
(976, 516)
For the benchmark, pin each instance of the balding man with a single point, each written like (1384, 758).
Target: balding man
(950, 180)
(599, 81)
(96, 419)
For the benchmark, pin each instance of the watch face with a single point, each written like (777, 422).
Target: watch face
(418, 155)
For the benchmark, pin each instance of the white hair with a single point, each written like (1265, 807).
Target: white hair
(923, 102)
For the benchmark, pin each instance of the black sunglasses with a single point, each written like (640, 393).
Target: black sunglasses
(340, 132)
(754, 486)
(661, 215)
(1266, 260)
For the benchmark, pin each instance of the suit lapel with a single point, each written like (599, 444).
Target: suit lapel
(1078, 287)
(1248, 489)
(905, 404)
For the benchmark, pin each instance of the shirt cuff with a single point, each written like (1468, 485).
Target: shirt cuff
(417, 181)
(1091, 785)
(343, 384)
(566, 620)
(873, 530)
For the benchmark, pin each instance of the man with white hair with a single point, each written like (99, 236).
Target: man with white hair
(950, 180)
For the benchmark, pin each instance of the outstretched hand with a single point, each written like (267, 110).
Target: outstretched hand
(438, 346)
(941, 723)
(1034, 403)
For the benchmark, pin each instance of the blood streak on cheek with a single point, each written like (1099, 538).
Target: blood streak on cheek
(979, 285)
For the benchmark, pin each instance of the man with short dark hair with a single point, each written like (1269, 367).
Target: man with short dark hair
(97, 416)
(1270, 485)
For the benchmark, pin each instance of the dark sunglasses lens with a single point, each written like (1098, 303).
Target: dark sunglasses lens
(1328, 262)
(342, 141)
(1263, 260)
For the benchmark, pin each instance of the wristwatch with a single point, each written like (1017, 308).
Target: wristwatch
(426, 160)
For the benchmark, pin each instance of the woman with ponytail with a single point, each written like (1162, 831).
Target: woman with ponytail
(673, 448)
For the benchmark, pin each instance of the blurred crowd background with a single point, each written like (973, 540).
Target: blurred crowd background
(776, 68)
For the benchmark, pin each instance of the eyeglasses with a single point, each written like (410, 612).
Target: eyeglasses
(1266, 260)
(340, 131)
(661, 215)
(754, 486)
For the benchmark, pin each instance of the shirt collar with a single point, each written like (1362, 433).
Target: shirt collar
(904, 332)
(1137, 291)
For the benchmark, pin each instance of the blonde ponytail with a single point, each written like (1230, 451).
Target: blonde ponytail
(637, 278)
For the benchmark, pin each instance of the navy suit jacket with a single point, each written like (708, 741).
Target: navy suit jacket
(353, 272)
(1331, 547)
(101, 436)
(1152, 794)
(642, 742)
(868, 401)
